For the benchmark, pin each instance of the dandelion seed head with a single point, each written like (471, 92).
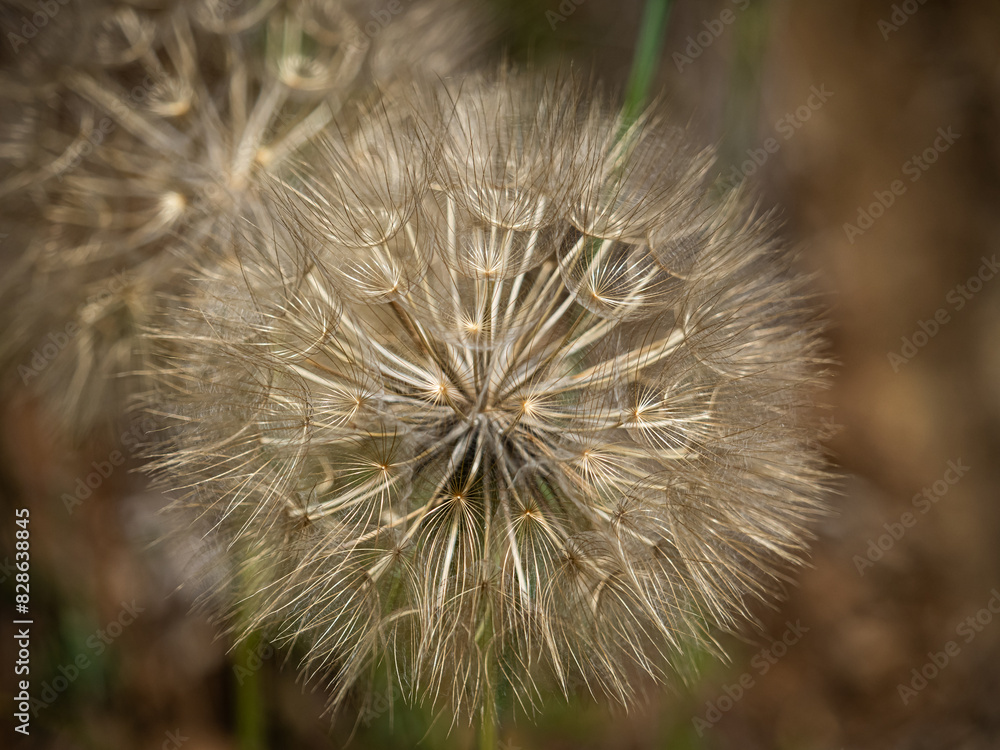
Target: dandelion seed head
(138, 135)
(498, 389)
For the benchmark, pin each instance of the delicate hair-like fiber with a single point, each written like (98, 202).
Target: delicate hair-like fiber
(133, 135)
(494, 390)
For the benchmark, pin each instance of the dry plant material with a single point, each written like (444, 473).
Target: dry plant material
(496, 393)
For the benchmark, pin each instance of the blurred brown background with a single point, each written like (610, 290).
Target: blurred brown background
(824, 105)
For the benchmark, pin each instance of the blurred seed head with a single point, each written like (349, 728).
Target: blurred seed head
(134, 134)
(496, 392)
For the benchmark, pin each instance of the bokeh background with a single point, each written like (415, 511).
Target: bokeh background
(823, 105)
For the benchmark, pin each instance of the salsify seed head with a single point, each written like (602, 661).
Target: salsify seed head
(132, 131)
(498, 394)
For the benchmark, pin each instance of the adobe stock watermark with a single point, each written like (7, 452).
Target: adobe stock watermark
(922, 502)
(762, 662)
(43, 354)
(914, 168)
(222, 8)
(565, 10)
(253, 663)
(957, 298)
(901, 13)
(105, 126)
(827, 429)
(376, 706)
(382, 17)
(938, 661)
(7, 570)
(131, 440)
(96, 644)
(828, 426)
(174, 740)
(30, 27)
(697, 44)
(786, 126)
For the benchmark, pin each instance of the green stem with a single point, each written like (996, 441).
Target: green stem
(488, 726)
(249, 707)
(489, 723)
(647, 57)
(743, 95)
